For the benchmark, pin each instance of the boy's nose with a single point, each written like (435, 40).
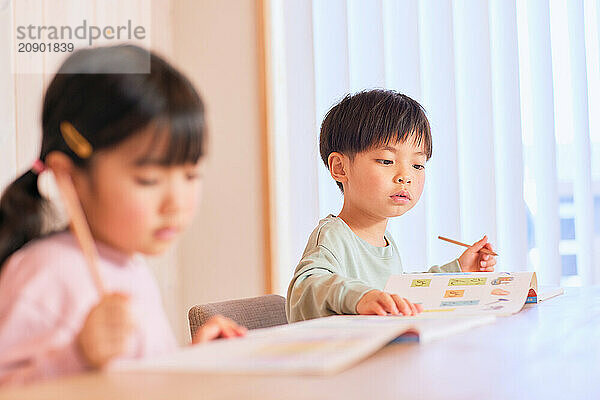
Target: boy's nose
(403, 179)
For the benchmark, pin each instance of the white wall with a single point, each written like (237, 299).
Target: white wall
(223, 254)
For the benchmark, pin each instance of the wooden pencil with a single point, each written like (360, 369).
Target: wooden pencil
(79, 226)
(484, 250)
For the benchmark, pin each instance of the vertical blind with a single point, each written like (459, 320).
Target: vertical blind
(511, 91)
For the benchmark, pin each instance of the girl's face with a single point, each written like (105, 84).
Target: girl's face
(133, 202)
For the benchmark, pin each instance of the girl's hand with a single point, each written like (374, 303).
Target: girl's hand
(382, 303)
(107, 330)
(218, 327)
(472, 260)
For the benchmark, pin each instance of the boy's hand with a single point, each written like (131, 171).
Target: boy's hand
(107, 330)
(218, 327)
(472, 260)
(381, 303)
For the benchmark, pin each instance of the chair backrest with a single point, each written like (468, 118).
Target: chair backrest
(253, 313)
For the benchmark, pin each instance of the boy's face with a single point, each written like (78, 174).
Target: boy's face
(386, 181)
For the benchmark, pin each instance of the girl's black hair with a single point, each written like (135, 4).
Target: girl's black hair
(370, 118)
(108, 94)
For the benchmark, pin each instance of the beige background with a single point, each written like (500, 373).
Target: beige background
(216, 43)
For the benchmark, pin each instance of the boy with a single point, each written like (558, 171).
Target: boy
(375, 145)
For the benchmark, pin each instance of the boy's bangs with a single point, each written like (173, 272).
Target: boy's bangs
(385, 118)
(178, 140)
(415, 131)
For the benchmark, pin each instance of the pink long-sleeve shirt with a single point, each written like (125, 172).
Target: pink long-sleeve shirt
(46, 293)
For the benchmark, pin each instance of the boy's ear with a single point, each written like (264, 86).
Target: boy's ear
(337, 167)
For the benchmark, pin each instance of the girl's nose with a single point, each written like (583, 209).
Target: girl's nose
(170, 205)
(403, 179)
(172, 200)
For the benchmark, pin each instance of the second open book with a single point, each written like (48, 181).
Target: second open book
(318, 346)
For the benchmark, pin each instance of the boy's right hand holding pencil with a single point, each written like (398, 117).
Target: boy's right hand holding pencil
(376, 302)
(479, 257)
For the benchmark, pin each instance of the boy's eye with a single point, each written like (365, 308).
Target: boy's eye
(419, 166)
(385, 162)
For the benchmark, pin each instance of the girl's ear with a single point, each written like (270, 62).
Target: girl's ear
(59, 162)
(337, 167)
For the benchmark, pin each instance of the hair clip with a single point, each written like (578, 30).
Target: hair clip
(75, 140)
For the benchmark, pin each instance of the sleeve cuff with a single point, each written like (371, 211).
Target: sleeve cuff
(453, 266)
(62, 361)
(66, 360)
(352, 296)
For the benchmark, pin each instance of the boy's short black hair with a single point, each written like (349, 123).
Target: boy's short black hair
(371, 118)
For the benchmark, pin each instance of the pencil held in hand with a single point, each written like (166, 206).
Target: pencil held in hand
(485, 251)
(79, 226)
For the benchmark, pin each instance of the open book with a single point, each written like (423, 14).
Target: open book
(498, 293)
(318, 346)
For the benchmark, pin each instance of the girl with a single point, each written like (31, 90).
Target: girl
(131, 143)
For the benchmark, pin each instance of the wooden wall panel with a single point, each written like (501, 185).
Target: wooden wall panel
(8, 156)
(29, 85)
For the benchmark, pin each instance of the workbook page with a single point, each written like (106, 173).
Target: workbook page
(498, 293)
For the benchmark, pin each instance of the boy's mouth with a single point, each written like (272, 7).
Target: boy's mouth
(401, 197)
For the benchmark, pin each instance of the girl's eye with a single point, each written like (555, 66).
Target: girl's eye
(385, 162)
(419, 166)
(192, 176)
(146, 182)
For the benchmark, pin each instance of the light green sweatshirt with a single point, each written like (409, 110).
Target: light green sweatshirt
(338, 268)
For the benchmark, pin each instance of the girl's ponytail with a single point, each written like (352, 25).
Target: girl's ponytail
(21, 214)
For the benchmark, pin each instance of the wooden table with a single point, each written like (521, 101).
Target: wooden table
(547, 351)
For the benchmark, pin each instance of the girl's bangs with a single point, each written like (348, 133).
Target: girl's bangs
(177, 140)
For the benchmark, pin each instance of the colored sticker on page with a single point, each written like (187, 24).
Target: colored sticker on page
(500, 292)
(420, 283)
(454, 293)
(502, 280)
(466, 281)
(439, 310)
(459, 303)
(531, 297)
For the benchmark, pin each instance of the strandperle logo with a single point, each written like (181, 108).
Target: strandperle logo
(83, 32)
